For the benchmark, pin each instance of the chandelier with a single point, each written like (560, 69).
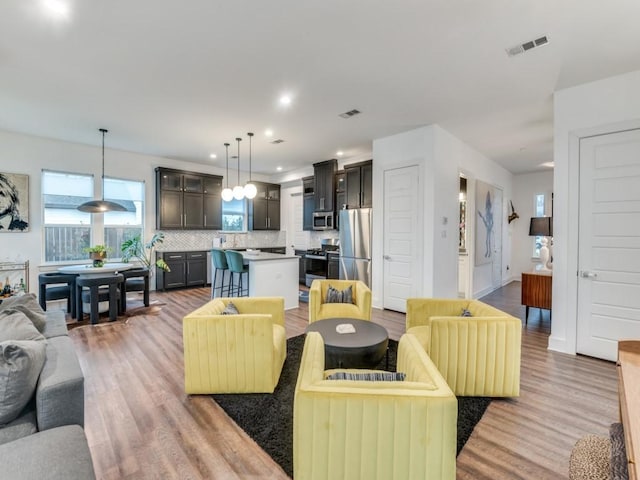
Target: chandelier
(239, 192)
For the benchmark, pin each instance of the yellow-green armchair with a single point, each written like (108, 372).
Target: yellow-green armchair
(357, 429)
(478, 355)
(359, 309)
(234, 353)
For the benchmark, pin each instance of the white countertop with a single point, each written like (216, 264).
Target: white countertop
(259, 256)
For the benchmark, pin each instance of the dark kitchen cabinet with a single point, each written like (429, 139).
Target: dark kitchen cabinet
(341, 195)
(302, 271)
(264, 209)
(196, 271)
(188, 269)
(333, 267)
(324, 174)
(212, 190)
(359, 184)
(187, 201)
(308, 203)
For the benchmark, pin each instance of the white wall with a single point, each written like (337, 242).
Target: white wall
(594, 108)
(525, 187)
(29, 155)
(440, 158)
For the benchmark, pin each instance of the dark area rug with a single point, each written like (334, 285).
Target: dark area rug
(268, 418)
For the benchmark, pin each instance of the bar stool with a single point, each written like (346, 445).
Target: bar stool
(219, 260)
(236, 266)
(135, 280)
(57, 286)
(100, 288)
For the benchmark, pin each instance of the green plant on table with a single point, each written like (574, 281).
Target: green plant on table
(97, 253)
(144, 253)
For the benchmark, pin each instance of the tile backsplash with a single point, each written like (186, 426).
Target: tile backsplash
(201, 240)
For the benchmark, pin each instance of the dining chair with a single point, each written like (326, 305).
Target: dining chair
(57, 286)
(135, 280)
(93, 289)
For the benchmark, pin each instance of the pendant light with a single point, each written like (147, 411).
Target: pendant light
(250, 189)
(227, 193)
(238, 190)
(100, 206)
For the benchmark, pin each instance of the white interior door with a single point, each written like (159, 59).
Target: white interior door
(496, 241)
(401, 259)
(609, 243)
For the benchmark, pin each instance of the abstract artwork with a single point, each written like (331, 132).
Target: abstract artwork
(485, 235)
(14, 202)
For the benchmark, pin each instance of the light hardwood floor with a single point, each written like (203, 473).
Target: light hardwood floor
(140, 424)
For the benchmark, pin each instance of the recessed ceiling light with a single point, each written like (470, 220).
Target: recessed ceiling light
(213, 155)
(268, 132)
(279, 169)
(548, 164)
(56, 8)
(285, 100)
(339, 153)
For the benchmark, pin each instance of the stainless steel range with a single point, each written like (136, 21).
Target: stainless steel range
(316, 259)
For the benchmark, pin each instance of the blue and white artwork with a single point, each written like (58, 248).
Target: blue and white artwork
(485, 235)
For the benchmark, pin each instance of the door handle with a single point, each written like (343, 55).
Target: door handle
(587, 274)
(387, 257)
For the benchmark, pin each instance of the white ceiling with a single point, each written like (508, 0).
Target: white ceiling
(178, 79)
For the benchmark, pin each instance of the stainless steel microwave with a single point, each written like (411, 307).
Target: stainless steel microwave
(323, 220)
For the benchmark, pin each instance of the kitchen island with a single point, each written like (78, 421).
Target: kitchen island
(271, 275)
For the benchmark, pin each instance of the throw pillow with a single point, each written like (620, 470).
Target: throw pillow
(339, 296)
(466, 313)
(380, 376)
(20, 366)
(15, 325)
(230, 309)
(29, 300)
(37, 317)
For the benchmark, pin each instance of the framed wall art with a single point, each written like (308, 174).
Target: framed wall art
(485, 217)
(14, 202)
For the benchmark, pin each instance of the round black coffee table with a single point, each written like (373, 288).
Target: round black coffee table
(362, 349)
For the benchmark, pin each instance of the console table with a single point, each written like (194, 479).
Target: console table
(536, 291)
(629, 391)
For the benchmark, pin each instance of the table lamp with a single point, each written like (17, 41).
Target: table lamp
(543, 227)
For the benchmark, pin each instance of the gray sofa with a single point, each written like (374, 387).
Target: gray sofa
(46, 440)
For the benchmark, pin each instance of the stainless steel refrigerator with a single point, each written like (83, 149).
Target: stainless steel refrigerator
(355, 245)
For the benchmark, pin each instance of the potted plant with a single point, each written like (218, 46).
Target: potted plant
(97, 253)
(144, 253)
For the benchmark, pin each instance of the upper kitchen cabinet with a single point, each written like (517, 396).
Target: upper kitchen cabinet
(308, 202)
(264, 209)
(359, 181)
(341, 195)
(212, 190)
(187, 200)
(325, 185)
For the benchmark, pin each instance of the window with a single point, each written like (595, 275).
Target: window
(538, 211)
(66, 230)
(121, 226)
(234, 215)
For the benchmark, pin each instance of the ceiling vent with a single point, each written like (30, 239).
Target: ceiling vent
(275, 142)
(531, 44)
(350, 113)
